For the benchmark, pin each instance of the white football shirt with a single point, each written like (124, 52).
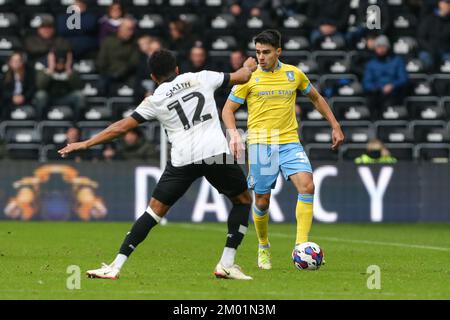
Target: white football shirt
(186, 109)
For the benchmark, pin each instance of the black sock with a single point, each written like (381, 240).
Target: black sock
(138, 233)
(237, 224)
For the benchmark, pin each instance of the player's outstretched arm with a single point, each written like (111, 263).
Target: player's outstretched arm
(245, 73)
(110, 133)
(322, 106)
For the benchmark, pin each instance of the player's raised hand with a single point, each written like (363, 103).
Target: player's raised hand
(251, 64)
(71, 147)
(337, 137)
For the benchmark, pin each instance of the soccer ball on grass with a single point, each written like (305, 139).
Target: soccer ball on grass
(307, 256)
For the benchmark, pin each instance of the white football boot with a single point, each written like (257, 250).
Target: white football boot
(234, 272)
(105, 272)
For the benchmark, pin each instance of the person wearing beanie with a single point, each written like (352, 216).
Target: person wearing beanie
(385, 78)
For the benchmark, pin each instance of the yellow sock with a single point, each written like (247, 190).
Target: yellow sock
(304, 215)
(261, 220)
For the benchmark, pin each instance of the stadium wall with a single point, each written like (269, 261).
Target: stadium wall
(119, 191)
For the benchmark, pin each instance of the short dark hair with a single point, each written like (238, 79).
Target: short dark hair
(162, 64)
(270, 36)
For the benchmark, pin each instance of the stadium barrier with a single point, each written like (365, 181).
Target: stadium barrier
(119, 191)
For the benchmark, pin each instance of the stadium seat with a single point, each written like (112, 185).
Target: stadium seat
(417, 107)
(403, 24)
(85, 67)
(401, 151)
(350, 151)
(91, 85)
(27, 112)
(27, 151)
(331, 61)
(340, 85)
(393, 131)
(350, 108)
(420, 85)
(121, 107)
(357, 131)
(307, 110)
(152, 24)
(433, 152)
(435, 131)
(315, 132)
(60, 112)
(321, 152)
(97, 113)
(9, 23)
(17, 132)
(394, 113)
(296, 43)
(91, 128)
(222, 24)
(405, 46)
(53, 132)
(441, 84)
(9, 43)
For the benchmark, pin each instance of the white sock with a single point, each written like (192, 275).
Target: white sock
(228, 255)
(119, 261)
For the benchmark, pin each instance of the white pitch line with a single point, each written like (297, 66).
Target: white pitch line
(369, 242)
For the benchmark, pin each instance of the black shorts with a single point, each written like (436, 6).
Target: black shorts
(228, 179)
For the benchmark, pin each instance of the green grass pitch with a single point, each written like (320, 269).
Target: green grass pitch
(176, 262)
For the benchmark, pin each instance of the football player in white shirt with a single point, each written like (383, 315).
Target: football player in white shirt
(185, 106)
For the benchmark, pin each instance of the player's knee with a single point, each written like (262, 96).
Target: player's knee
(262, 203)
(244, 198)
(307, 187)
(158, 207)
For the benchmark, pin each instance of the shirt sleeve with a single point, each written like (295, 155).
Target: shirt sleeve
(214, 79)
(304, 84)
(145, 111)
(239, 93)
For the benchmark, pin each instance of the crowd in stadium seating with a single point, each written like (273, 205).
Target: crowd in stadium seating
(57, 80)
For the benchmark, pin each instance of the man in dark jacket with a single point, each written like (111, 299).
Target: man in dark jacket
(118, 57)
(434, 36)
(328, 18)
(59, 85)
(385, 78)
(135, 147)
(39, 45)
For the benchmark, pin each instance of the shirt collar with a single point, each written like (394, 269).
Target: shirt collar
(276, 69)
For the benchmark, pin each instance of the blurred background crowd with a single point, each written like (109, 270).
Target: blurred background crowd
(384, 67)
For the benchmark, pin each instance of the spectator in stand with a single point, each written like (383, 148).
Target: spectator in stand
(39, 45)
(237, 58)
(385, 78)
(118, 58)
(376, 153)
(73, 134)
(181, 39)
(18, 85)
(59, 84)
(84, 40)
(144, 85)
(133, 147)
(434, 36)
(362, 20)
(328, 18)
(111, 21)
(197, 60)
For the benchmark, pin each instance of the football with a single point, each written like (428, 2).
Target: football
(307, 256)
